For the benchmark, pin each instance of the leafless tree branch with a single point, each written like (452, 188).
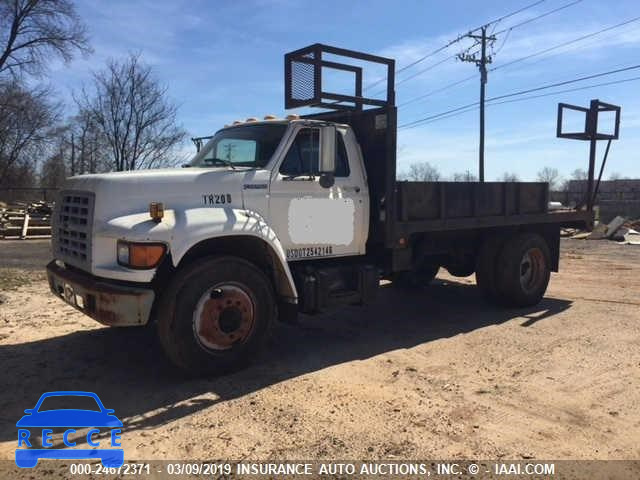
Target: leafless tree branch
(32, 31)
(131, 109)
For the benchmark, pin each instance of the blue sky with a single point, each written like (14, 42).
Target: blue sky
(223, 60)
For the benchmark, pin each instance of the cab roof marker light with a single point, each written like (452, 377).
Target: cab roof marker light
(237, 122)
(156, 211)
(293, 116)
(251, 119)
(270, 117)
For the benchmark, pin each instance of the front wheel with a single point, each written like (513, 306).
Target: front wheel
(216, 315)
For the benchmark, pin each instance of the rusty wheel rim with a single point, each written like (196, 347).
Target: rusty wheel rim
(224, 316)
(532, 268)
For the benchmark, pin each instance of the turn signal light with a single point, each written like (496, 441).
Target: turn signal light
(140, 255)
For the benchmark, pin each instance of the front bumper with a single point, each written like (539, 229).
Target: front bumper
(107, 302)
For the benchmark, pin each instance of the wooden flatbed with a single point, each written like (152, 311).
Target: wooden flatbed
(442, 206)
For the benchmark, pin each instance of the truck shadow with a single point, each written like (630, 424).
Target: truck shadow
(126, 368)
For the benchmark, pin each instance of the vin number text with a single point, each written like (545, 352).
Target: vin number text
(309, 252)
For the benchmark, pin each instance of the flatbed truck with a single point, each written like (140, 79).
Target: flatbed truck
(277, 217)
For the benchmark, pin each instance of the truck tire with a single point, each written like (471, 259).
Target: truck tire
(486, 268)
(216, 315)
(524, 269)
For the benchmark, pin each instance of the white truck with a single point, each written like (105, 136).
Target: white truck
(280, 216)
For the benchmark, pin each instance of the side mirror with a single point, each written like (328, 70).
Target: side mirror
(327, 165)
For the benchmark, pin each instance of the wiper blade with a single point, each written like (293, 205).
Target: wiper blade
(228, 163)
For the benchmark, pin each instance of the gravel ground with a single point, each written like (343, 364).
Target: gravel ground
(438, 374)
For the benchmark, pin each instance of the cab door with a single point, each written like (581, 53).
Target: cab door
(310, 220)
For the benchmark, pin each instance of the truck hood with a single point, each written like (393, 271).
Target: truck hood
(122, 193)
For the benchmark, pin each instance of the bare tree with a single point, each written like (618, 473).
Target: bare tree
(464, 177)
(32, 31)
(83, 145)
(549, 175)
(616, 176)
(579, 174)
(92, 145)
(26, 120)
(509, 177)
(132, 112)
(421, 172)
(53, 171)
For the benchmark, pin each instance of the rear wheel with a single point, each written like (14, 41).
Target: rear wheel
(215, 315)
(524, 269)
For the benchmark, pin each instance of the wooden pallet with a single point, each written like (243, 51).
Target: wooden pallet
(22, 225)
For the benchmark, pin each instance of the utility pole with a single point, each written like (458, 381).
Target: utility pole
(481, 62)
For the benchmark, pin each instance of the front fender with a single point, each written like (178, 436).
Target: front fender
(182, 229)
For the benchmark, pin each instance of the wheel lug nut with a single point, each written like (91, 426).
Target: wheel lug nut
(216, 293)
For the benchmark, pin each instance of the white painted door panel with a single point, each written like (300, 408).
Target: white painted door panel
(316, 222)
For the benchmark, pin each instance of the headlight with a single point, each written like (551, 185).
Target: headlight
(140, 255)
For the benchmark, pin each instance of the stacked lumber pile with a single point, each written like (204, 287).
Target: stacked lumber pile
(25, 220)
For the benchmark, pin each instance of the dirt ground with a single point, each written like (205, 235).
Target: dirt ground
(439, 374)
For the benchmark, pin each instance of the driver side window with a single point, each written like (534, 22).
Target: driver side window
(303, 155)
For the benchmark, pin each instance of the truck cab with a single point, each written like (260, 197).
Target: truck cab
(313, 213)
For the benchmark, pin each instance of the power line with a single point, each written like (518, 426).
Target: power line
(430, 67)
(520, 92)
(495, 22)
(470, 108)
(437, 115)
(504, 17)
(506, 37)
(564, 44)
(521, 59)
(567, 82)
(456, 40)
(433, 92)
(542, 15)
(531, 97)
(420, 72)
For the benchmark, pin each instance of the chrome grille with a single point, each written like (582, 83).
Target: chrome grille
(72, 228)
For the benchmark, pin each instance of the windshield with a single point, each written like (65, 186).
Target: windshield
(244, 146)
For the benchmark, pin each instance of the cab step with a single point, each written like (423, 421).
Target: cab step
(323, 287)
